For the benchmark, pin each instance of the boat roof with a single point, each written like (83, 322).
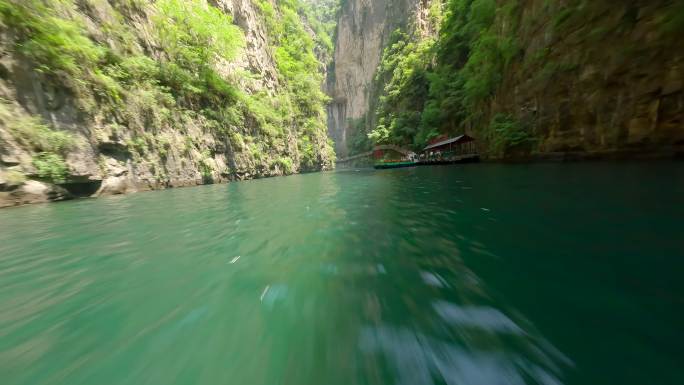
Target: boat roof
(462, 138)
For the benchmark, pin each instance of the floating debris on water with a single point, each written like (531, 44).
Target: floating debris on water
(263, 294)
(273, 294)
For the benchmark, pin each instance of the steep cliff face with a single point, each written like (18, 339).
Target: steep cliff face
(363, 31)
(595, 78)
(530, 78)
(107, 97)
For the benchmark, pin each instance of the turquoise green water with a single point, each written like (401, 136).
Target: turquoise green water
(477, 274)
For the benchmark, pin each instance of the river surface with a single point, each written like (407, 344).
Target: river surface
(470, 275)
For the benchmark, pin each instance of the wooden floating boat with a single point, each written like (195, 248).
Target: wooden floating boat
(460, 149)
(398, 164)
(473, 158)
(442, 150)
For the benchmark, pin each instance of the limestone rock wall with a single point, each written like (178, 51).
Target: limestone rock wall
(589, 79)
(178, 149)
(363, 30)
(605, 79)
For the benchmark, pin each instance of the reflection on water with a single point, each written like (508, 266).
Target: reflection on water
(419, 359)
(408, 277)
(468, 341)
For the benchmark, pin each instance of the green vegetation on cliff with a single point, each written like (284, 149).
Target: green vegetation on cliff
(322, 17)
(492, 63)
(144, 73)
(432, 85)
(300, 68)
(439, 85)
